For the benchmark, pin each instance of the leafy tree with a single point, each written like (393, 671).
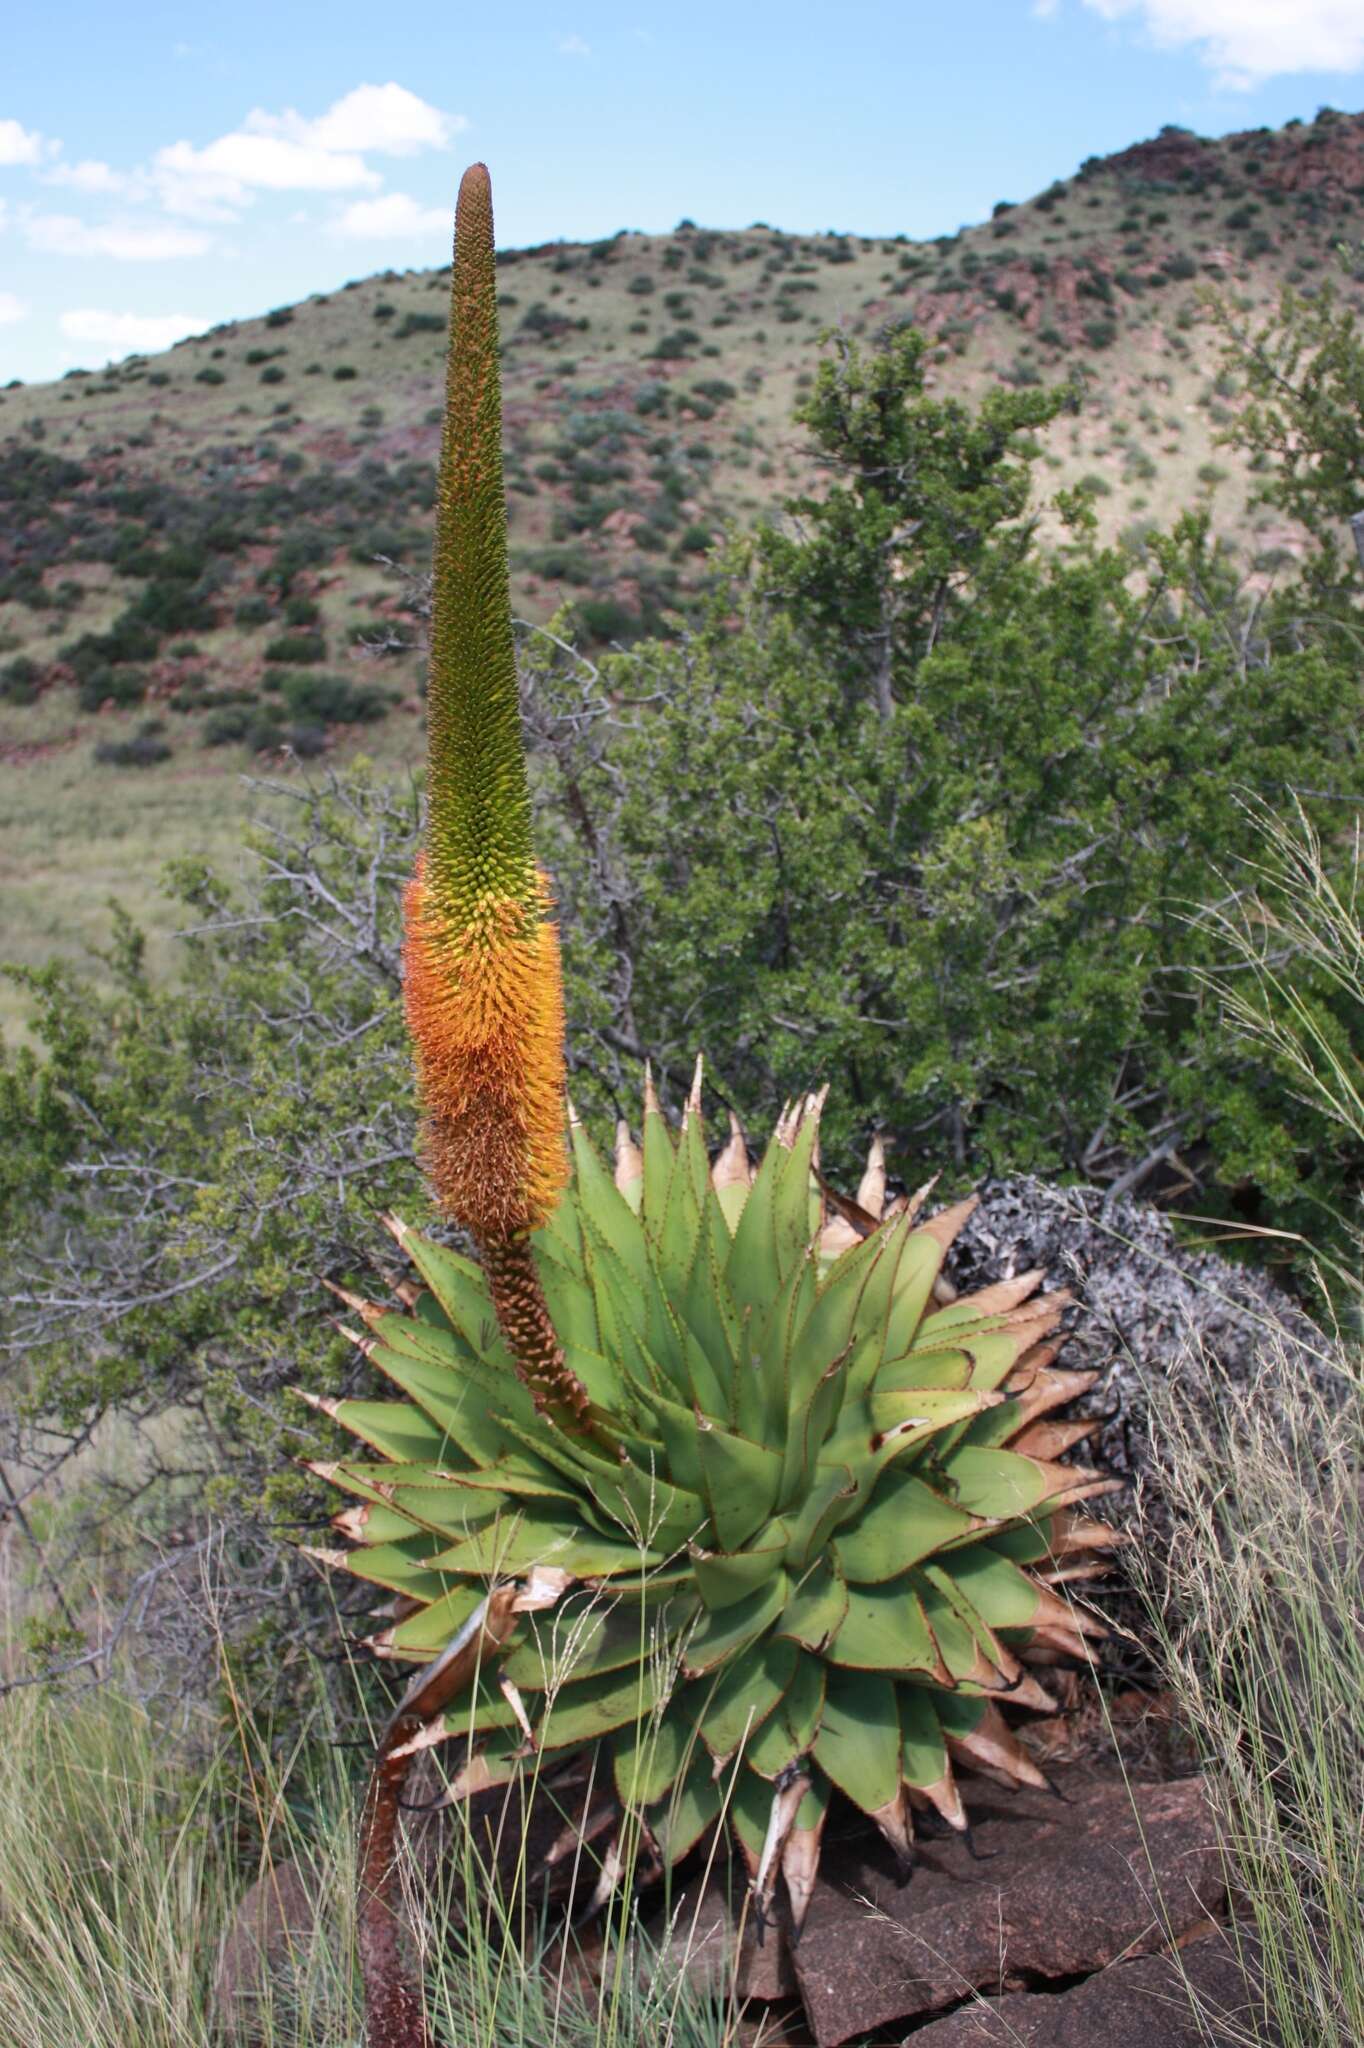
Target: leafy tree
(1302, 370)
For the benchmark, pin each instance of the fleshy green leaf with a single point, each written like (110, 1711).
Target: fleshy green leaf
(647, 1755)
(858, 1744)
(724, 1577)
(999, 1484)
(723, 1633)
(740, 1481)
(817, 1609)
(885, 1629)
(746, 1693)
(905, 1521)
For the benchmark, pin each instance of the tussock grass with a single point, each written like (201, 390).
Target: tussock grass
(1259, 1613)
(121, 1866)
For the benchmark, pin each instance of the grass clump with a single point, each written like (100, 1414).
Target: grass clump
(1260, 1620)
(125, 1854)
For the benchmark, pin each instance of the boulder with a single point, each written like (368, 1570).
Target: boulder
(1057, 1889)
(1148, 2003)
(267, 1941)
(1146, 1307)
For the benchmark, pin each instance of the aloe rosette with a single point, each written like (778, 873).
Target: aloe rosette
(811, 1520)
(696, 1461)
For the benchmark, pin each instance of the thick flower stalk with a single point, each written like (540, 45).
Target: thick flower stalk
(482, 977)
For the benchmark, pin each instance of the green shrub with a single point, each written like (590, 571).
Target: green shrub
(674, 346)
(299, 611)
(19, 681)
(208, 375)
(106, 684)
(229, 723)
(297, 647)
(333, 700)
(272, 375)
(419, 323)
(345, 373)
(1100, 333)
(253, 611)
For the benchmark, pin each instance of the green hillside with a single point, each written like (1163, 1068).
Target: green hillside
(190, 582)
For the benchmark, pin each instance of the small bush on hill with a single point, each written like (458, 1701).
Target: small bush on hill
(19, 681)
(297, 647)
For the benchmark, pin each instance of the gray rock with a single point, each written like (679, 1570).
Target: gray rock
(1146, 1306)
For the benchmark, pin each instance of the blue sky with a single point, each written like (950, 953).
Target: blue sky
(164, 168)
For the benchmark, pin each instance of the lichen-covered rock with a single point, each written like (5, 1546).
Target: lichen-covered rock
(1146, 1306)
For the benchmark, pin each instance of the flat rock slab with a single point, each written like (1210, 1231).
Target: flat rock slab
(1061, 1890)
(1142, 2004)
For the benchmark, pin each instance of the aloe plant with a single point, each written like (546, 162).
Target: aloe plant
(696, 1460)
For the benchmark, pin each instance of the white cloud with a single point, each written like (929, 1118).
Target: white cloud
(271, 163)
(286, 153)
(129, 333)
(574, 46)
(61, 234)
(11, 309)
(1247, 41)
(386, 118)
(88, 176)
(19, 145)
(396, 216)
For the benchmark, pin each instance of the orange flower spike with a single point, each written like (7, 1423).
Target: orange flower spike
(483, 988)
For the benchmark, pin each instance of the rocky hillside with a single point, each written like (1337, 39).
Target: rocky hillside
(188, 572)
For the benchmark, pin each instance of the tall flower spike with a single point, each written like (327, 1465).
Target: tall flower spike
(483, 987)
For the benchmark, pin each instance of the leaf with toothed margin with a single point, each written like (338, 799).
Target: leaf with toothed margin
(460, 1288)
(725, 1577)
(885, 1629)
(960, 1647)
(791, 1197)
(648, 1755)
(692, 1806)
(1000, 1484)
(905, 1520)
(1023, 1543)
(658, 1166)
(818, 1607)
(456, 1405)
(436, 1626)
(603, 1207)
(827, 1328)
(406, 1567)
(753, 1269)
(446, 1512)
(1002, 1595)
(517, 1542)
(579, 1714)
(723, 1634)
(832, 1497)
(588, 1633)
(743, 1696)
(397, 1429)
(920, 1264)
(924, 1752)
(572, 1308)
(740, 1481)
(748, 1811)
(858, 1744)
